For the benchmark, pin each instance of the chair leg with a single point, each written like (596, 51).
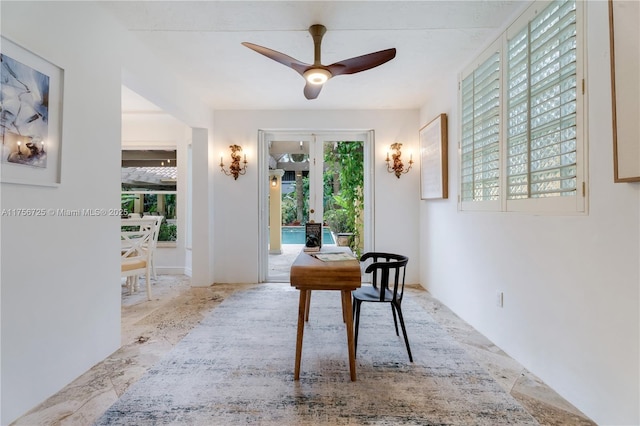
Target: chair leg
(404, 331)
(148, 282)
(153, 266)
(395, 321)
(353, 305)
(356, 308)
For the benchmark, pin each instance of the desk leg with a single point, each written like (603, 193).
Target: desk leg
(301, 314)
(348, 315)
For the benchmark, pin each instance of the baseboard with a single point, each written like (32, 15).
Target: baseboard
(176, 270)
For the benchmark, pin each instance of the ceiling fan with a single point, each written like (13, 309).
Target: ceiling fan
(317, 74)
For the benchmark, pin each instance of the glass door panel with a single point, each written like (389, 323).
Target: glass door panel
(343, 191)
(289, 164)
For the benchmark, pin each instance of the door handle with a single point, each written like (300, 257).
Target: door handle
(312, 211)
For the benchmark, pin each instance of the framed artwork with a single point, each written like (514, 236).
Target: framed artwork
(433, 159)
(624, 39)
(31, 117)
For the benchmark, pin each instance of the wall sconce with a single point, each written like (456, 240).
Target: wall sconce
(398, 166)
(234, 168)
(274, 181)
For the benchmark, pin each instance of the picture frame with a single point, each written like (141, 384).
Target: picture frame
(31, 131)
(434, 159)
(624, 40)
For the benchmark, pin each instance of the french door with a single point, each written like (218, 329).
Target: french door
(324, 177)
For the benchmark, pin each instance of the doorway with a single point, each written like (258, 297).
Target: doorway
(322, 177)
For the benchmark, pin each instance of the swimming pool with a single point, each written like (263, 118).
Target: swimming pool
(295, 235)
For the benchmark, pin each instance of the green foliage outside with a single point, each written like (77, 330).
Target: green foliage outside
(291, 212)
(170, 206)
(289, 209)
(168, 232)
(344, 207)
(127, 201)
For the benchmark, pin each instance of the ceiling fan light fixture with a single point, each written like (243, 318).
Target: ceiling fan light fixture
(317, 75)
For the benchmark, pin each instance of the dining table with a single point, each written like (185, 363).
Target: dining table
(332, 268)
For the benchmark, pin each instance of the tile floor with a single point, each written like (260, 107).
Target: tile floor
(151, 329)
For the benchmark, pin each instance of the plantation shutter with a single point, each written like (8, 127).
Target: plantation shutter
(480, 137)
(541, 93)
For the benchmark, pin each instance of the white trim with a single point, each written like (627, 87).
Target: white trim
(173, 270)
(263, 205)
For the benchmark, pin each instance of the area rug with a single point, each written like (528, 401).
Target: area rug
(236, 368)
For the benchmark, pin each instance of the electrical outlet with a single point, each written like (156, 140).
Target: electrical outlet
(499, 299)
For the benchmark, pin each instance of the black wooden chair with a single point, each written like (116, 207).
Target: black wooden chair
(388, 272)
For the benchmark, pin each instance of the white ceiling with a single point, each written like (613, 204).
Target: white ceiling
(200, 40)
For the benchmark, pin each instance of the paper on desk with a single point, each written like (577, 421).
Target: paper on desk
(332, 257)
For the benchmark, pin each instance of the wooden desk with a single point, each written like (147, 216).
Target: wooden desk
(309, 273)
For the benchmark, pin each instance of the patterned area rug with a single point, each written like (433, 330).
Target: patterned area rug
(236, 368)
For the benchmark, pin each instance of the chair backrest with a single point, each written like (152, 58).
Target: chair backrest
(156, 231)
(147, 222)
(384, 266)
(135, 245)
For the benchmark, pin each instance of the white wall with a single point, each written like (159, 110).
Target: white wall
(575, 323)
(236, 223)
(60, 297)
(158, 131)
(158, 82)
(60, 279)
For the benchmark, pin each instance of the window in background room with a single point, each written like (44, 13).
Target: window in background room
(149, 179)
(539, 163)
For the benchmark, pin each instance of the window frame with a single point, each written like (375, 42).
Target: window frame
(481, 205)
(556, 205)
(140, 191)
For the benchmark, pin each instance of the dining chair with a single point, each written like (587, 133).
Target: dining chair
(387, 286)
(135, 257)
(154, 242)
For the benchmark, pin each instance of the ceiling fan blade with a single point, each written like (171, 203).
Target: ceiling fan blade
(362, 63)
(311, 91)
(286, 60)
